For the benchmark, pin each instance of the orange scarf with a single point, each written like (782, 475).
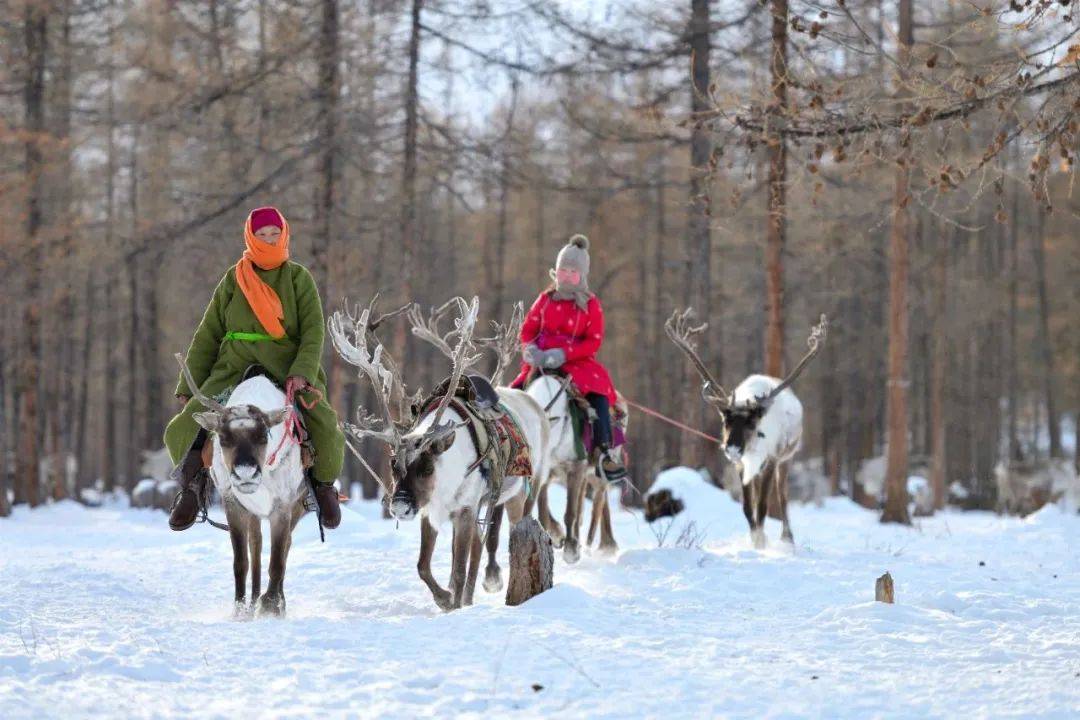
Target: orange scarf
(264, 302)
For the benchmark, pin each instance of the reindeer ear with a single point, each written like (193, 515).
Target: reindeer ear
(443, 443)
(209, 421)
(276, 417)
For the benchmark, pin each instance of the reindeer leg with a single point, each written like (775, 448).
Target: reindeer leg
(462, 545)
(476, 550)
(782, 493)
(492, 574)
(549, 523)
(608, 546)
(281, 525)
(428, 535)
(575, 497)
(515, 509)
(255, 551)
(748, 505)
(238, 535)
(598, 497)
(763, 483)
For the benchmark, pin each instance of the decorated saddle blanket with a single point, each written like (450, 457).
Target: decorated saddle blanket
(515, 448)
(493, 429)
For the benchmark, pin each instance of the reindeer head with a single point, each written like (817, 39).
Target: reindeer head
(413, 452)
(242, 435)
(742, 420)
(242, 430)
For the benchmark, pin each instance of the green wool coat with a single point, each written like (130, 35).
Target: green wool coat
(218, 364)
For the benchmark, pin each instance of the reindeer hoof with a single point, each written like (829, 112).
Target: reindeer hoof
(788, 538)
(270, 605)
(571, 552)
(493, 580)
(608, 550)
(758, 538)
(558, 537)
(444, 601)
(242, 612)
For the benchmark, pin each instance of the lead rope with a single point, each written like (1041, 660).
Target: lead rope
(292, 431)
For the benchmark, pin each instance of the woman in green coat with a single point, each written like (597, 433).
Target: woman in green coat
(265, 311)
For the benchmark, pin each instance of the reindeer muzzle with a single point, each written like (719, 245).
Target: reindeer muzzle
(403, 506)
(733, 452)
(246, 479)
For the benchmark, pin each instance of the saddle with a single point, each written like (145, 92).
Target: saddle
(582, 416)
(473, 390)
(498, 439)
(302, 436)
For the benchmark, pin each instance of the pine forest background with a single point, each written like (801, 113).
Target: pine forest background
(905, 166)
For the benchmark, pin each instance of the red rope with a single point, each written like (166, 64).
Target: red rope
(671, 421)
(292, 422)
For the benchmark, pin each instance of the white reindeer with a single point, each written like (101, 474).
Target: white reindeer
(251, 488)
(435, 464)
(762, 424)
(551, 393)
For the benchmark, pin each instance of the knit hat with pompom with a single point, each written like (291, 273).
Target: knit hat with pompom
(574, 256)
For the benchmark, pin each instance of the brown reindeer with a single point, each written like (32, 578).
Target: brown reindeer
(250, 489)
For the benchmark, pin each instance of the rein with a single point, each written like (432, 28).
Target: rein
(671, 421)
(292, 421)
(562, 388)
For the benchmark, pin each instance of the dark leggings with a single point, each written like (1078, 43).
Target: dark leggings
(602, 424)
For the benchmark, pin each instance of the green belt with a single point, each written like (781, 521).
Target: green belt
(248, 336)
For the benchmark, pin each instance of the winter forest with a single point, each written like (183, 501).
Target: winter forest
(905, 168)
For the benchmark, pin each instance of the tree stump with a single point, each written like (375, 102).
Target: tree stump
(532, 561)
(883, 589)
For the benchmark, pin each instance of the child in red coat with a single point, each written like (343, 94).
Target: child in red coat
(564, 329)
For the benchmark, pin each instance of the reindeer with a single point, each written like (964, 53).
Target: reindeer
(550, 391)
(762, 424)
(251, 486)
(435, 465)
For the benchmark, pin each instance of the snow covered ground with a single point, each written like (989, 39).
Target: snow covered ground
(107, 613)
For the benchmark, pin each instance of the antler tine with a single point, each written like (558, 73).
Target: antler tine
(428, 330)
(373, 325)
(374, 364)
(814, 343)
(207, 401)
(682, 333)
(504, 341)
(465, 326)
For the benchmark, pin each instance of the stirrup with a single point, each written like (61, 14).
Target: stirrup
(613, 478)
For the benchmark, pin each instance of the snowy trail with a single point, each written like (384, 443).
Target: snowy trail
(107, 613)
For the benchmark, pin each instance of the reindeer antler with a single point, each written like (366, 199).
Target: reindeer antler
(428, 330)
(682, 333)
(374, 364)
(504, 342)
(208, 402)
(814, 342)
(460, 356)
(374, 322)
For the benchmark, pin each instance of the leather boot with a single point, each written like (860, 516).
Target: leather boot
(326, 495)
(611, 469)
(191, 476)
